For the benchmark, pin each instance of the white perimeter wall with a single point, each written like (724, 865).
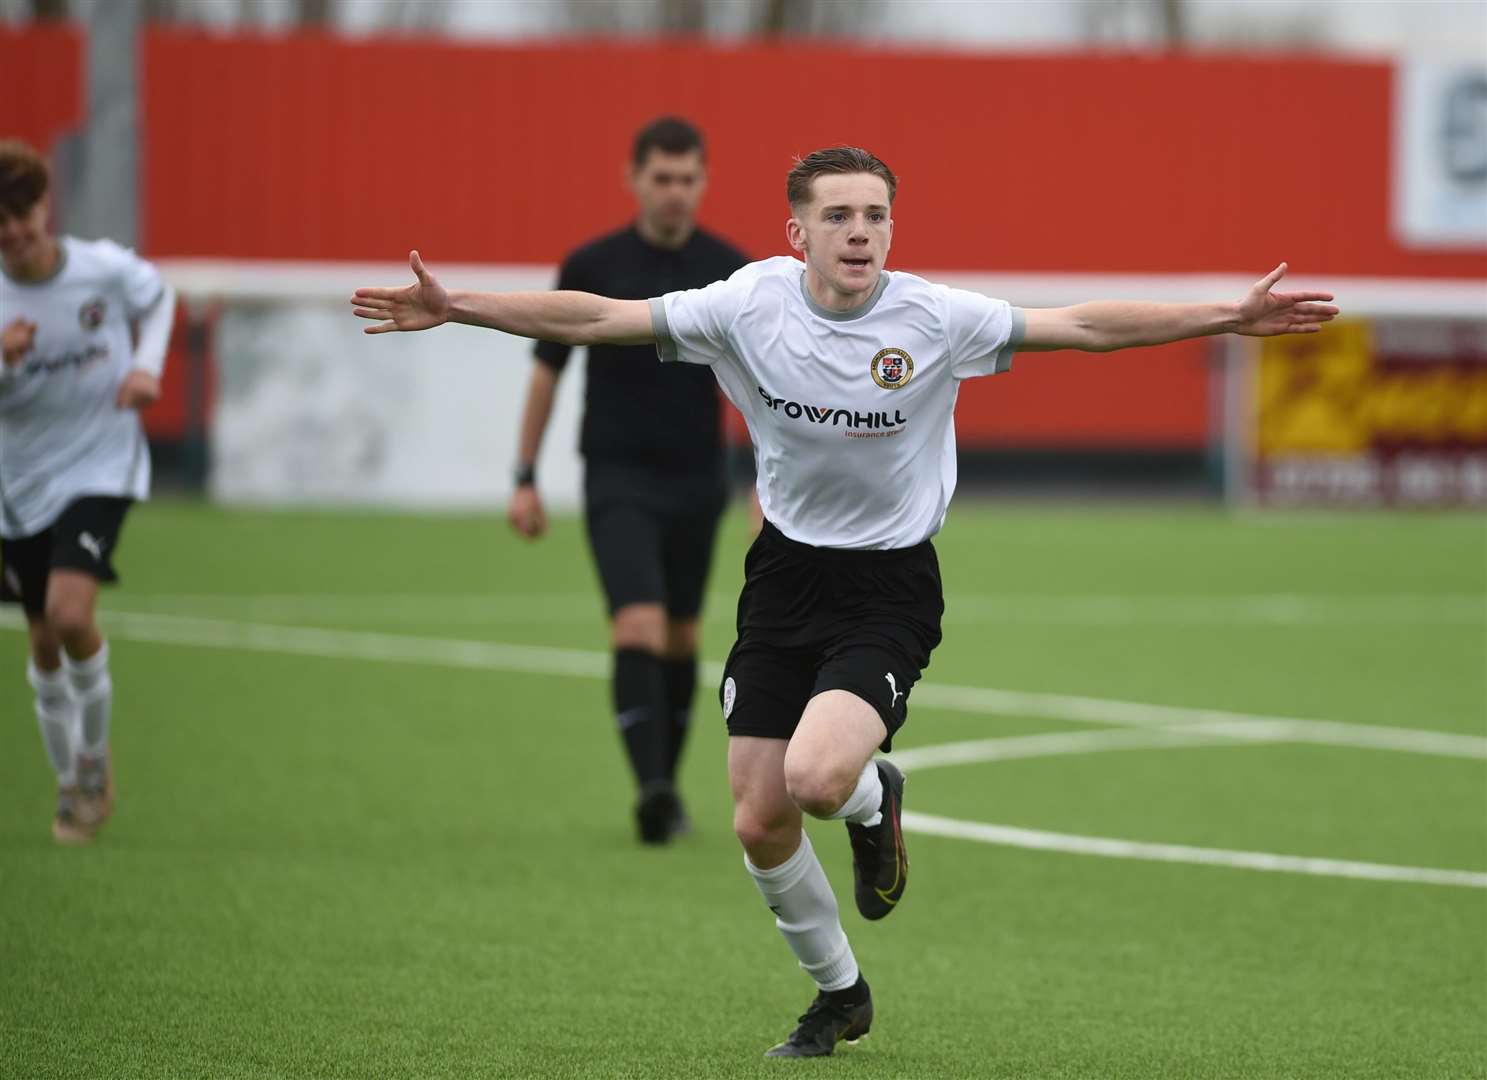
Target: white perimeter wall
(310, 410)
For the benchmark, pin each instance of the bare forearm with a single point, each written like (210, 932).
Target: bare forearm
(573, 318)
(1106, 325)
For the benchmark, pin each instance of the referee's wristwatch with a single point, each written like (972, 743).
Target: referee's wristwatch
(525, 476)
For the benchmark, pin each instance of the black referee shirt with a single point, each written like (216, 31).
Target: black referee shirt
(637, 409)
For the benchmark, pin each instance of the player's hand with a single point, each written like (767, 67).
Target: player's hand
(1263, 313)
(16, 340)
(139, 390)
(420, 306)
(525, 512)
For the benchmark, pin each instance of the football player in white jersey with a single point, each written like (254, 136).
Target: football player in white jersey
(84, 327)
(847, 375)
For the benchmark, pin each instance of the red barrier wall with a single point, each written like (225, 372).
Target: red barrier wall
(41, 82)
(321, 148)
(314, 147)
(318, 148)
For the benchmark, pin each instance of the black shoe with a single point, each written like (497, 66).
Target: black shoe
(880, 863)
(656, 816)
(829, 1020)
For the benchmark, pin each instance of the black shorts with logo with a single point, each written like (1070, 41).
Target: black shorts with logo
(651, 533)
(813, 619)
(82, 538)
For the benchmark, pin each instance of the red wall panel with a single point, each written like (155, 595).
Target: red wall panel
(318, 148)
(313, 147)
(1140, 398)
(41, 83)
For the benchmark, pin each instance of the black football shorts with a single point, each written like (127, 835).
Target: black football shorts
(814, 619)
(83, 537)
(651, 533)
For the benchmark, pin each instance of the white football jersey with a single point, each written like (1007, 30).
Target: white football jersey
(852, 414)
(61, 435)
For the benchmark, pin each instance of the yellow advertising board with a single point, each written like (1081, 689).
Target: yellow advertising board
(1383, 412)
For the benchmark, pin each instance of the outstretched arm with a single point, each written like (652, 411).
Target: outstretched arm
(1106, 325)
(573, 318)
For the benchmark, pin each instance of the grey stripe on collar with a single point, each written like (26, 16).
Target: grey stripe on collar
(844, 316)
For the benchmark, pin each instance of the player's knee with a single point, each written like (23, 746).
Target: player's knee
(817, 789)
(760, 832)
(752, 832)
(640, 626)
(68, 620)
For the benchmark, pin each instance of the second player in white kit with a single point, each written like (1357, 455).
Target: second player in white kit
(84, 327)
(847, 376)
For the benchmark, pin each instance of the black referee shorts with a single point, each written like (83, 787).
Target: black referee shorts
(651, 533)
(814, 619)
(83, 538)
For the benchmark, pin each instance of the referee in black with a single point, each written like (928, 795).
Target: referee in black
(654, 482)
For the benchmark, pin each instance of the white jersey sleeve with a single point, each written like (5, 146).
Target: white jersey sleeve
(139, 283)
(693, 325)
(982, 333)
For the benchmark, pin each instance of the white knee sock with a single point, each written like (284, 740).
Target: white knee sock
(805, 911)
(861, 807)
(94, 691)
(56, 711)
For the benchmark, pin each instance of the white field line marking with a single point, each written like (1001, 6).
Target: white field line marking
(1038, 840)
(540, 660)
(348, 644)
(1133, 714)
(456, 609)
(1200, 733)
(1018, 747)
(342, 644)
(1277, 609)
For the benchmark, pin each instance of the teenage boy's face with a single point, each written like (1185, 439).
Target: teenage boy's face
(845, 230)
(23, 236)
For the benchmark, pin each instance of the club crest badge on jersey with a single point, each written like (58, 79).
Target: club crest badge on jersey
(892, 369)
(90, 315)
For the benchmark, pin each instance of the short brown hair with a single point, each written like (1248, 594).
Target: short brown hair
(24, 177)
(839, 160)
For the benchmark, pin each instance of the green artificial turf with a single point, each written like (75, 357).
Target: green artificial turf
(365, 865)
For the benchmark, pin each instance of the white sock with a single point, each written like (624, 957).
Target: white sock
(862, 806)
(56, 711)
(94, 691)
(805, 911)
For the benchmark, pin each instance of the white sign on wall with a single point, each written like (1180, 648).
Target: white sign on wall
(309, 410)
(1440, 155)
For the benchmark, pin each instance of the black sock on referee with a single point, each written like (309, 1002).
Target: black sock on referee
(640, 707)
(681, 685)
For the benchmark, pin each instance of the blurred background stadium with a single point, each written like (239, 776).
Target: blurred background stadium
(257, 151)
(299, 882)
